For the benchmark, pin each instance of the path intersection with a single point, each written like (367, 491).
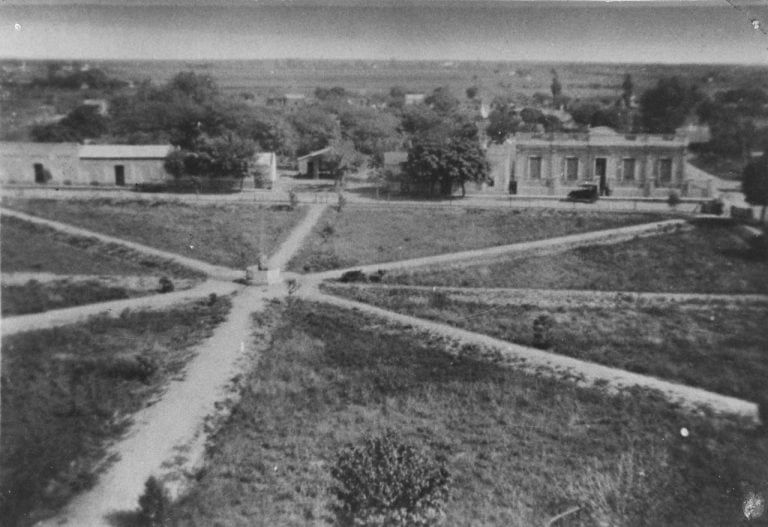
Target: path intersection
(168, 438)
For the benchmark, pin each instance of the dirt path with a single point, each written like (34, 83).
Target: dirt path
(72, 315)
(540, 362)
(172, 429)
(565, 297)
(214, 271)
(293, 243)
(546, 246)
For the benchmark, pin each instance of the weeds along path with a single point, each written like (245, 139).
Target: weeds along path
(214, 271)
(561, 297)
(540, 362)
(136, 282)
(169, 437)
(547, 246)
(72, 315)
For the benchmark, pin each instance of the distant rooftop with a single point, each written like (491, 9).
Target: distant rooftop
(124, 151)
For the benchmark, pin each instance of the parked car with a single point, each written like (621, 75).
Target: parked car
(587, 192)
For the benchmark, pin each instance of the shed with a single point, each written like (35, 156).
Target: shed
(311, 165)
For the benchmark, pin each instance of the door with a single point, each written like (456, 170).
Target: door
(534, 168)
(119, 175)
(39, 173)
(571, 168)
(665, 171)
(601, 173)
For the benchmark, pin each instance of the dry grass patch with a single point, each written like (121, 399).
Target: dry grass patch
(716, 346)
(67, 391)
(709, 259)
(363, 235)
(520, 449)
(230, 234)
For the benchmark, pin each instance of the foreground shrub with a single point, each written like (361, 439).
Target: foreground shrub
(165, 285)
(383, 482)
(153, 504)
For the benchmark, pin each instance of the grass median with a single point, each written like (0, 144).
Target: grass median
(67, 391)
(520, 449)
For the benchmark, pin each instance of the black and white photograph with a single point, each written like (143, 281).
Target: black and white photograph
(395, 263)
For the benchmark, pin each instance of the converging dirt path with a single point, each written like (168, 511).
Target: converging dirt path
(546, 246)
(562, 297)
(293, 243)
(73, 315)
(214, 271)
(168, 430)
(540, 362)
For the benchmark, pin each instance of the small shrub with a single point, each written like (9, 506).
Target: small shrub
(385, 482)
(67, 183)
(212, 299)
(327, 232)
(377, 277)
(293, 199)
(166, 285)
(674, 199)
(138, 368)
(94, 183)
(438, 300)
(154, 504)
(342, 201)
(542, 330)
(355, 275)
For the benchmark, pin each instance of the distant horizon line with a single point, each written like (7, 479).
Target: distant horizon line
(347, 59)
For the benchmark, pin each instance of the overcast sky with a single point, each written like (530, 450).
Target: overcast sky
(563, 30)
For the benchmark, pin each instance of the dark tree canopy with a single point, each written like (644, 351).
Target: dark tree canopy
(441, 165)
(627, 90)
(213, 157)
(754, 183)
(84, 122)
(502, 122)
(666, 106)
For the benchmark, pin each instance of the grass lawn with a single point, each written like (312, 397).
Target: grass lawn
(360, 235)
(519, 448)
(26, 247)
(708, 259)
(67, 391)
(36, 297)
(716, 347)
(228, 234)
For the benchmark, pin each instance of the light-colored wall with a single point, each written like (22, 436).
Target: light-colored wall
(17, 162)
(102, 171)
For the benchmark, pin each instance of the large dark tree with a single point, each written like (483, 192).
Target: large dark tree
(754, 184)
(502, 122)
(442, 164)
(666, 106)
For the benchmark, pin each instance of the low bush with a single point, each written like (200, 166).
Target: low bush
(153, 504)
(385, 482)
(355, 275)
(165, 285)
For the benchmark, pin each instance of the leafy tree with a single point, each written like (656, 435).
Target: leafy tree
(442, 101)
(627, 90)
(383, 482)
(213, 157)
(419, 118)
(754, 184)
(472, 92)
(502, 123)
(556, 87)
(666, 106)
(372, 132)
(84, 122)
(531, 115)
(443, 163)
(315, 129)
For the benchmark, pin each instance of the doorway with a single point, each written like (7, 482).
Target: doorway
(601, 173)
(39, 173)
(119, 175)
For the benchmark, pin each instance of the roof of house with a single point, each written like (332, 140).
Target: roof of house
(316, 153)
(124, 151)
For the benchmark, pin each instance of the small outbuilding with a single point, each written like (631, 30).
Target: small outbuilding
(314, 164)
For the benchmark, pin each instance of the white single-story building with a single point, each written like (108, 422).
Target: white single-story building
(61, 164)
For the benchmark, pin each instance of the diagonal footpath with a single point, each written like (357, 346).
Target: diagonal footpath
(214, 271)
(524, 296)
(546, 246)
(293, 243)
(174, 425)
(112, 309)
(559, 366)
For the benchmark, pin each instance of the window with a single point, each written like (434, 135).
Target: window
(119, 175)
(628, 170)
(571, 168)
(534, 167)
(665, 170)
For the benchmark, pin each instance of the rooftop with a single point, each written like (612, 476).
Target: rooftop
(124, 151)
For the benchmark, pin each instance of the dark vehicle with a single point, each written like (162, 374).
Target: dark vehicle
(587, 192)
